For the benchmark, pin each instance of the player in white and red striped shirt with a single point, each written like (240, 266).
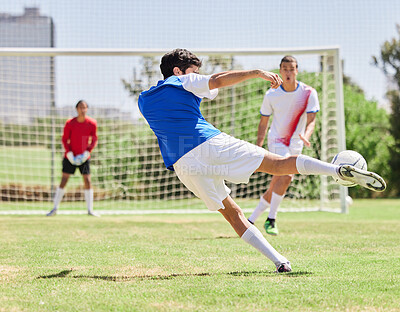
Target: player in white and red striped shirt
(294, 106)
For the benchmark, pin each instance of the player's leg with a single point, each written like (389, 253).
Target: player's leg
(268, 193)
(275, 196)
(234, 215)
(251, 235)
(277, 192)
(64, 180)
(58, 196)
(263, 204)
(87, 181)
(278, 165)
(265, 201)
(280, 188)
(203, 171)
(67, 170)
(88, 190)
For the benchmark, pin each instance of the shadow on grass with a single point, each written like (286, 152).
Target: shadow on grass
(211, 238)
(61, 274)
(65, 274)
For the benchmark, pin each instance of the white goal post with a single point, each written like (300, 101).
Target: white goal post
(40, 86)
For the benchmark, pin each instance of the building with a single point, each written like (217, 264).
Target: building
(26, 83)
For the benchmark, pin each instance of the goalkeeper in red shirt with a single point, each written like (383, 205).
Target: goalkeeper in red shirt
(79, 139)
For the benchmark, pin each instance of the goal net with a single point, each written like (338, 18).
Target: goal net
(40, 87)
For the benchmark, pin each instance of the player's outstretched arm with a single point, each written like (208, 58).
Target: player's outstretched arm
(229, 78)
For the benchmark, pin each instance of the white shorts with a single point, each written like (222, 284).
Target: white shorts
(295, 147)
(205, 168)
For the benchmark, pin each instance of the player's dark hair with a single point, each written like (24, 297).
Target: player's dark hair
(288, 59)
(180, 58)
(81, 101)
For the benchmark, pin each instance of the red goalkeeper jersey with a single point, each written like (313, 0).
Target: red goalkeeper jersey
(79, 136)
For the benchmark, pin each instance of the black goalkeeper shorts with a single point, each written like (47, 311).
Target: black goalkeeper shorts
(70, 168)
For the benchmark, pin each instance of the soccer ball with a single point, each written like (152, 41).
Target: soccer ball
(349, 158)
(349, 200)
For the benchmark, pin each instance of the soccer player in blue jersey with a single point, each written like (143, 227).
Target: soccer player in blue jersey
(203, 157)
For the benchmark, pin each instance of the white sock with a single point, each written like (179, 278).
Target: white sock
(275, 202)
(254, 237)
(58, 196)
(308, 165)
(261, 207)
(89, 199)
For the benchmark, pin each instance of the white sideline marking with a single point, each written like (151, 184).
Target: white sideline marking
(148, 212)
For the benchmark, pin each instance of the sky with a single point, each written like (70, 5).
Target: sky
(358, 27)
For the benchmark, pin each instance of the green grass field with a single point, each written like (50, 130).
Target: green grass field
(197, 263)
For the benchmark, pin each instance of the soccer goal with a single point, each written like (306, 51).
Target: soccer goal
(40, 87)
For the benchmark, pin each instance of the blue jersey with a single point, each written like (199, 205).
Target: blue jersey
(172, 109)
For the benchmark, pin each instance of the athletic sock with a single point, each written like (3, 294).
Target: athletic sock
(275, 202)
(307, 165)
(261, 207)
(89, 199)
(254, 237)
(58, 197)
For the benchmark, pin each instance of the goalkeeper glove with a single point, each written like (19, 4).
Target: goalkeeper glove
(81, 158)
(70, 157)
(86, 156)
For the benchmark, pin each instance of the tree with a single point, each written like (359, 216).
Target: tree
(389, 63)
(367, 132)
(146, 76)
